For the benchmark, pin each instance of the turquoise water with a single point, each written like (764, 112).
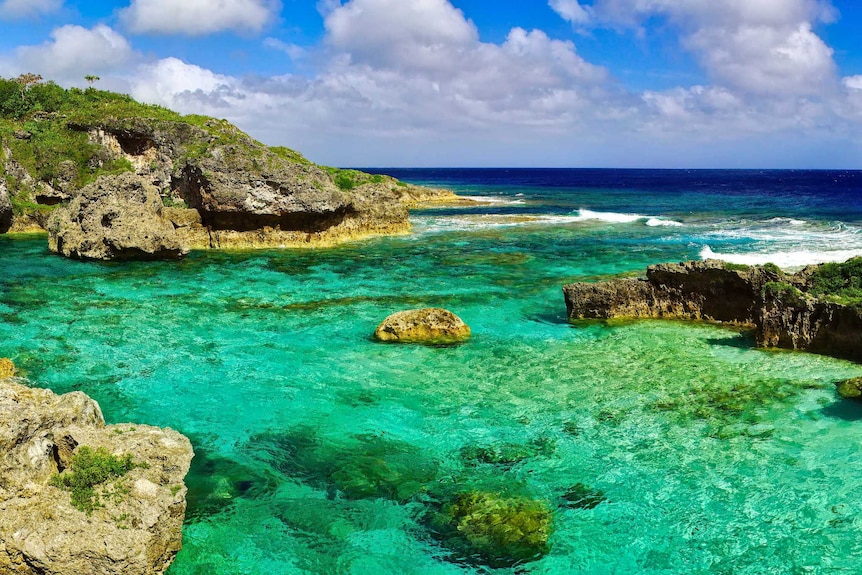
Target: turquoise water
(320, 451)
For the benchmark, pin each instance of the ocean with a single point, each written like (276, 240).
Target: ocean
(657, 447)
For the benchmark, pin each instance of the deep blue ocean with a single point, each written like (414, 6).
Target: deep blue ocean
(654, 448)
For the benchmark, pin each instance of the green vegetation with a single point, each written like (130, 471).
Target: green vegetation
(346, 180)
(736, 267)
(839, 282)
(88, 470)
(784, 293)
(771, 267)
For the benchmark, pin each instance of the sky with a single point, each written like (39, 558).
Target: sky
(515, 83)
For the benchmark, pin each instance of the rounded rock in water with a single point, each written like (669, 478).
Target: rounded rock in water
(432, 326)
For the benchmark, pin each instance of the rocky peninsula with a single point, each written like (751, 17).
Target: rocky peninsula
(79, 496)
(110, 178)
(818, 309)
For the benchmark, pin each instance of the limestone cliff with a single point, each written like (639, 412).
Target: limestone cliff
(136, 526)
(790, 311)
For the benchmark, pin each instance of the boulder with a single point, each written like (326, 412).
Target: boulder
(134, 528)
(429, 326)
(115, 218)
(5, 209)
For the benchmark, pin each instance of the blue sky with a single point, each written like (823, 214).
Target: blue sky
(628, 83)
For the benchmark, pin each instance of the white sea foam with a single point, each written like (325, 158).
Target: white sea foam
(788, 234)
(617, 218)
(658, 222)
(497, 200)
(786, 260)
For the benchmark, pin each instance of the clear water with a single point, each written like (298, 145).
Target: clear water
(712, 456)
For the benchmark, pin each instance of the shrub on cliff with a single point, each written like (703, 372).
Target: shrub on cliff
(88, 470)
(842, 281)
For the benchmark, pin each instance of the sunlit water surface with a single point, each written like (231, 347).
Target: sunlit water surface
(711, 456)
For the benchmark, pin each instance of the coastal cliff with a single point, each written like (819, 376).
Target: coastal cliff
(77, 496)
(816, 310)
(219, 187)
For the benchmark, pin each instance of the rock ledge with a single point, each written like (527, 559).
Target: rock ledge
(785, 309)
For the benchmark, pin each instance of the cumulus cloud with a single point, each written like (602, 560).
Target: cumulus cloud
(853, 82)
(571, 11)
(198, 17)
(74, 51)
(416, 34)
(763, 47)
(28, 8)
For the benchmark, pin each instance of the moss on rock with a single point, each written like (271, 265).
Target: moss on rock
(850, 388)
(499, 531)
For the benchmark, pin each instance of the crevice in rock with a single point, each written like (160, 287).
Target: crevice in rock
(297, 221)
(134, 144)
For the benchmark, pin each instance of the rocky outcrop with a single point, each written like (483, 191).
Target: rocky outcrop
(137, 526)
(428, 326)
(238, 193)
(117, 217)
(782, 308)
(691, 290)
(5, 209)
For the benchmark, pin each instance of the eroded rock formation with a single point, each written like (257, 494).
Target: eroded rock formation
(428, 326)
(137, 527)
(782, 308)
(117, 217)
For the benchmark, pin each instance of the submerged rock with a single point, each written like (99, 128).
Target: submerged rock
(117, 217)
(850, 388)
(790, 311)
(363, 467)
(135, 523)
(7, 368)
(579, 496)
(429, 326)
(496, 530)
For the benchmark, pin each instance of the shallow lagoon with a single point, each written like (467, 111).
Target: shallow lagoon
(711, 456)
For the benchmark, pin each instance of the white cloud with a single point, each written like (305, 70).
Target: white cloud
(853, 82)
(28, 8)
(74, 51)
(571, 11)
(198, 17)
(293, 51)
(416, 34)
(760, 47)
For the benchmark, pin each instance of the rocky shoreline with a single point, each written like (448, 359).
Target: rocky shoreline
(809, 310)
(50, 523)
